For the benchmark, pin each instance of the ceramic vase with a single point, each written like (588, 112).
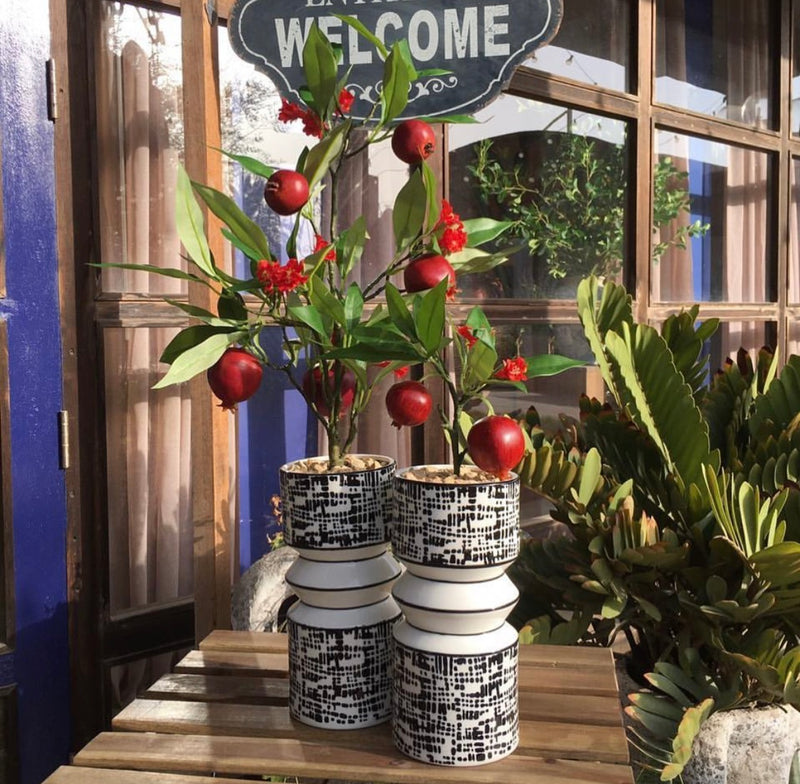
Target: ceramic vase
(340, 630)
(455, 656)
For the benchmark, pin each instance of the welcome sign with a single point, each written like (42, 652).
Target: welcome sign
(479, 43)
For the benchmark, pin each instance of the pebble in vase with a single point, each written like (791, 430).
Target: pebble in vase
(456, 658)
(340, 632)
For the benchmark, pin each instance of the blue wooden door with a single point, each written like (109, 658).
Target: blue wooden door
(34, 655)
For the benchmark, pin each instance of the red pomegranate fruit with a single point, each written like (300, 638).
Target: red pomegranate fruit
(413, 141)
(319, 393)
(424, 272)
(496, 445)
(286, 191)
(234, 377)
(409, 403)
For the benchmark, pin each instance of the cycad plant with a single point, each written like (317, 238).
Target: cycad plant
(682, 502)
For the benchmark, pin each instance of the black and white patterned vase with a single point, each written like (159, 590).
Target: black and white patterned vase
(455, 657)
(340, 632)
(337, 516)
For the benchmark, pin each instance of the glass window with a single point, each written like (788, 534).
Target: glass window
(794, 234)
(715, 57)
(150, 535)
(560, 175)
(139, 145)
(590, 47)
(711, 241)
(795, 109)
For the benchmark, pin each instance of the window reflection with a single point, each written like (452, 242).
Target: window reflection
(560, 175)
(794, 237)
(590, 47)
(718, 249)
(714, 57)
(139, 145)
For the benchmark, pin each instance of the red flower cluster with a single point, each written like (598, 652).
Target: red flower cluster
(400, 372)
(345, 100)
(319, 243)
(275, 277)
(513, 370)
(453, 237)
(312, 125)
(468, 335)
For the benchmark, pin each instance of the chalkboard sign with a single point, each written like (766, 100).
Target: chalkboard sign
(478, 42)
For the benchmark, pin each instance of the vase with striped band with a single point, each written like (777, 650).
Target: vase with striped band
(455, 656)
(340, 630)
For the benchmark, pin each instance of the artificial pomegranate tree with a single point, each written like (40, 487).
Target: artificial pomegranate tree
(416, 329)
(315, 297)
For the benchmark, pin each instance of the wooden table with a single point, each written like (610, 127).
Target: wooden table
(223, 712)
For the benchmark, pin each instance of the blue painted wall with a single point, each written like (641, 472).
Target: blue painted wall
(31, 310)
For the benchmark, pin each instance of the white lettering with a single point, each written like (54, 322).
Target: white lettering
(492, 29)
(290, 42)
(357, 57)
(326, 25)
(385, 20)
(460, 35)
(426, 18)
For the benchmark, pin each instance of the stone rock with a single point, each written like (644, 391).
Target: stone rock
(260, 593)
(745, 746)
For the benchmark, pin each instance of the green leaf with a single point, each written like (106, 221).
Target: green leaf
(311, 317)
(463, 119)
(481, 361)
(229, 213)
(319, 66)
(350, 245)
(431, 189)
(253, 165)
(472, 260)
(198, 358)
(429, 316)
(410, 207)
(480, 230)
(321, 155)
(325, 301)
(396, 84)
(189, 224)
(248, 251)
(353, 306)
(550, 365)
(167, 272)
(200, 313)
(188, 338)
(399, 313)
(365, 32)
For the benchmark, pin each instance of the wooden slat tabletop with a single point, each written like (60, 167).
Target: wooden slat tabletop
(223, 712)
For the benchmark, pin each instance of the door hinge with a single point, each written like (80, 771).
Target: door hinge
(63, 440)
(52, 90)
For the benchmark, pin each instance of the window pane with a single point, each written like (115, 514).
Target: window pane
(590, 47)
(794, 239)
(716, 57)
(733, 335)
(560, 174)
(149, 473)
(795, 118)
(139, 145)
(713, 198)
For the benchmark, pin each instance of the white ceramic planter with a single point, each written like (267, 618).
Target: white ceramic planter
(340, 632)
(340, 516)
(455, 696)
(465, 532)
(455, 659)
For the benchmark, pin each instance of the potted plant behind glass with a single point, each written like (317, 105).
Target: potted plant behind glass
(455, 527)
(683, 526)
(336, 507)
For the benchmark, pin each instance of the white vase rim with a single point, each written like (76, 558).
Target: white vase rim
(386, 463)
(400, 474)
